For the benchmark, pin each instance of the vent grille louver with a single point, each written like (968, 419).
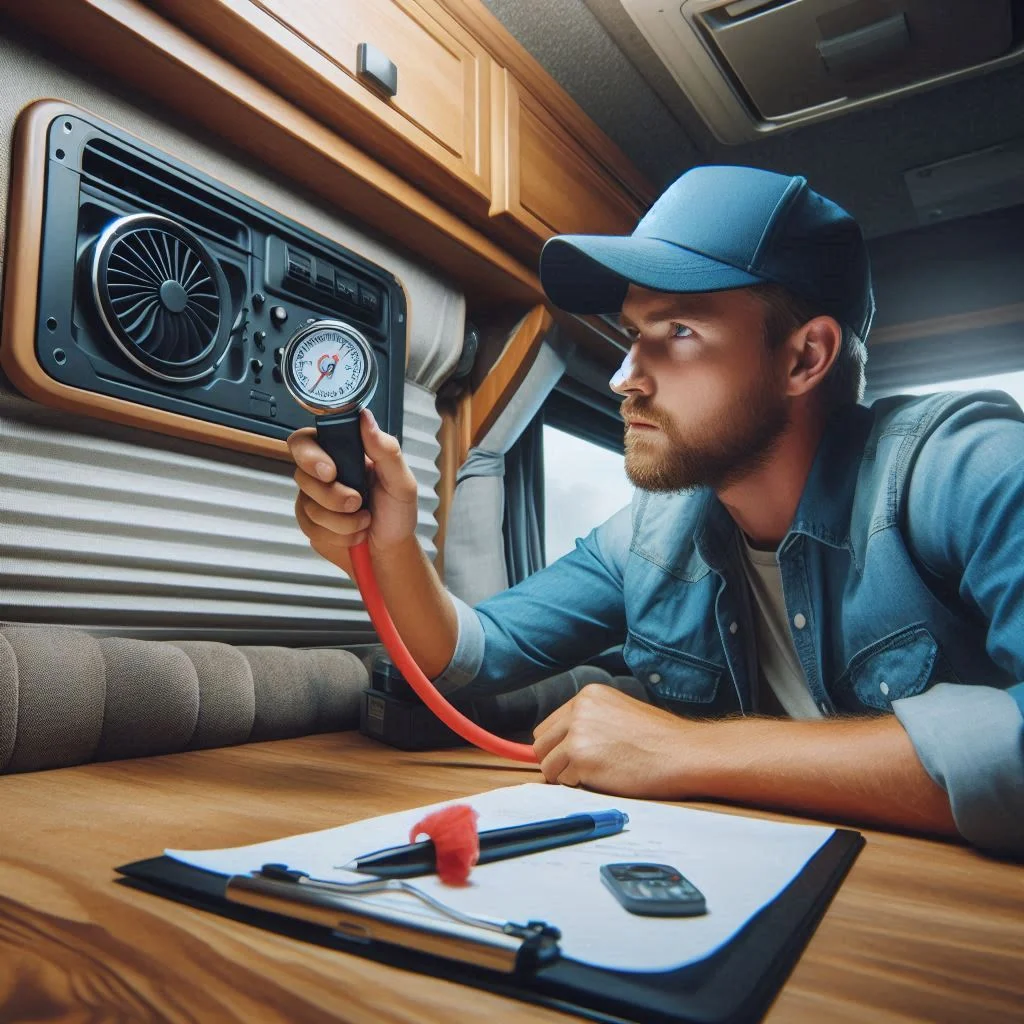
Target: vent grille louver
(161, 295)
(109, 169)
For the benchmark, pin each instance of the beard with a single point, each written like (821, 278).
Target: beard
(715, 453)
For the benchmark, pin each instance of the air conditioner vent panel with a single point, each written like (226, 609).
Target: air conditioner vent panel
(165, 297)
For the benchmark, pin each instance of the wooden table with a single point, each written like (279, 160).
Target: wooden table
(920, 930)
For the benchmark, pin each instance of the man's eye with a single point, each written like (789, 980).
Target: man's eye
(681, 331)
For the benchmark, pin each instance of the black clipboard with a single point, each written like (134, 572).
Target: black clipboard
(735, 984)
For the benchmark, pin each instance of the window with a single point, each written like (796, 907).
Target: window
(1011, 383)
(584, 484)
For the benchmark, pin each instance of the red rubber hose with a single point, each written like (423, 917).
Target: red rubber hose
(469, 731)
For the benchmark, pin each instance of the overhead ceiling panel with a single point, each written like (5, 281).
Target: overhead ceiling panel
(752, 67)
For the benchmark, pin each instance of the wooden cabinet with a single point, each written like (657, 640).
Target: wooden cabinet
(475, 121)
(307, 51)
(544, 181)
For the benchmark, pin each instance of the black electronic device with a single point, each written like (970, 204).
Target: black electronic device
(162, 287)
(653, 890)
(392, 713)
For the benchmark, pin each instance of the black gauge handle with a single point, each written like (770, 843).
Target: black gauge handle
(339, 436)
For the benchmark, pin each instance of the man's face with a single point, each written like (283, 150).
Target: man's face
(704, 401)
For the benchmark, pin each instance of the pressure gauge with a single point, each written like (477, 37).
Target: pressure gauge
(330, 370)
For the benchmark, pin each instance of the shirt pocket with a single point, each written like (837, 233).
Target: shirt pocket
(672, 675)
(899, 665)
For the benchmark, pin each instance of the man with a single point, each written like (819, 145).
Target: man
(825, 601)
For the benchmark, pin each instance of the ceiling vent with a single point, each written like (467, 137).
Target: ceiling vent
(751, 67)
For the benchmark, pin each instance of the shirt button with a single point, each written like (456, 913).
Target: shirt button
(733, 628)
(884, 687)
(799, 621)
(655, 677)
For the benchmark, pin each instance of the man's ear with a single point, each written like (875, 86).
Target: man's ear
(812, 349)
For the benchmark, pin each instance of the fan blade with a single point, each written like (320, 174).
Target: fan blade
(211, 316)
(130, 277)
(168, 259)
(139, 266)
(152, 244)
(192, 265)
(202, 330)
(144, 337)
(140, 313)
(164, 348)
(195, 341)
(141, 252)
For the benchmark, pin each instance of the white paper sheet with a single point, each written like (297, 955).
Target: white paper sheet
(740, 864)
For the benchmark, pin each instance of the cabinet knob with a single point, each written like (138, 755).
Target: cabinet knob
(373, 66)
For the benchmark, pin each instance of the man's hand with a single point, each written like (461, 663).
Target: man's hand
(852, 769)
(607, 741)
(328, 512)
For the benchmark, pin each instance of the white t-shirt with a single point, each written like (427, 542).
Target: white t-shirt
(779, 667)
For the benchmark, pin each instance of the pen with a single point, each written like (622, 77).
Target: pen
(495, 844)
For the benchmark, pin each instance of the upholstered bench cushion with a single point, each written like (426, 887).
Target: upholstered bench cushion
(67, 697)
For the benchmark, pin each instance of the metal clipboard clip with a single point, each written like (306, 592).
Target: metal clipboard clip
(341, 906)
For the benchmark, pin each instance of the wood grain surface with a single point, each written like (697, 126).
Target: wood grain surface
(920, 931)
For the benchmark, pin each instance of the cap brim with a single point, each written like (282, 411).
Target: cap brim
(591, 273)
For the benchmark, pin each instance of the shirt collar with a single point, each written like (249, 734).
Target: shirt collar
(826, 504)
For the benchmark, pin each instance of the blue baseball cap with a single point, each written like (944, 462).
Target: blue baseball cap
(717, 228)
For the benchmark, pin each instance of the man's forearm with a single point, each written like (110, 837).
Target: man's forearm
(420, 606)
(862, 770)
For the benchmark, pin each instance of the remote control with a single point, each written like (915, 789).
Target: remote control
(656, 890)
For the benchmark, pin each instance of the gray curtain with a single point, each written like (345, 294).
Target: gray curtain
(475, 559)
(523, 526)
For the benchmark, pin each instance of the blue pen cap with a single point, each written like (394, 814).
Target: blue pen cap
(607, 823)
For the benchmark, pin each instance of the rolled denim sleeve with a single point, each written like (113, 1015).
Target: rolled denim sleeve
(552, 621)
(469, 650)
(970, 740)
(965, 524)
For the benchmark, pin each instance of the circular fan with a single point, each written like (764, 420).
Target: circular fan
(161, 295)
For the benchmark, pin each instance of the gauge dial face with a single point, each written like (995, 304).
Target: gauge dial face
(328, 368)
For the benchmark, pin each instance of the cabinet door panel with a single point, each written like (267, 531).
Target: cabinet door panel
(306, 50)
(544, 180)
(434, 66)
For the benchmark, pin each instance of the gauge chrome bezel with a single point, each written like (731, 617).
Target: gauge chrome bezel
(366, 389)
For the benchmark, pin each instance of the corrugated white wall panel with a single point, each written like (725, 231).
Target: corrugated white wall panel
(126, 532)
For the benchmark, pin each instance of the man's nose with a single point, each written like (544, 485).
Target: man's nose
(628, 378)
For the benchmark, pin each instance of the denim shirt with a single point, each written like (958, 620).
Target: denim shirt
(903, 576)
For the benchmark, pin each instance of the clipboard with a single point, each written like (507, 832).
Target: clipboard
(735, 984)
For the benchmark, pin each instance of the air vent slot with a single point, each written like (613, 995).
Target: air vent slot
(131, 177)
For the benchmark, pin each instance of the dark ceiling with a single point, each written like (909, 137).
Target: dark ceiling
(594, 51)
